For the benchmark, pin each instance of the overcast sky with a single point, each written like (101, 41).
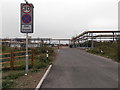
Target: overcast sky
(60, 18)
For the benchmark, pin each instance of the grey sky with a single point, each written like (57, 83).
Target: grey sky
(0, 20)
(61, 18)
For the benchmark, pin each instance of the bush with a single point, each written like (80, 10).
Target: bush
(40, 65)
(43, 50)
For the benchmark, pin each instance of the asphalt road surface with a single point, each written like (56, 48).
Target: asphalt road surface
(77, 69)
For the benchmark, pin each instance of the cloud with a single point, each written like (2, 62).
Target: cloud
(61, 18)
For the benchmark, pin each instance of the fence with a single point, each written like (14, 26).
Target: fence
(12, 56)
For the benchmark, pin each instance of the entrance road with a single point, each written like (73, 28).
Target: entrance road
(77, 69)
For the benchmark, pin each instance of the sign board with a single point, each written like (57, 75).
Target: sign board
(26, 18)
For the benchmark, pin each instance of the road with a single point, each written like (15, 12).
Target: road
(77, 69)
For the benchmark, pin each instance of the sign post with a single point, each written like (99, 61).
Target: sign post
(27, 58)
(26, 25)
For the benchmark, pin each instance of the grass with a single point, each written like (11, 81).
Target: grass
(8, 80)
(40, 61)
(13, 75)
(106, 49)
(35, 70)
(7, 83)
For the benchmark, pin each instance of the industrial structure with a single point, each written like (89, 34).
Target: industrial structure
(33, 42)
(81, 40)
(91, 36)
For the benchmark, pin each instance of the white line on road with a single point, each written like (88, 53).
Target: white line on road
(41, 81)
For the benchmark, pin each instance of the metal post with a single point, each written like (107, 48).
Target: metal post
(12, 59)
(78, 43)
(87, 40)
(59, 44)
(69, 43)
(26, 1)
(26, 53)
(113, 36)
(82, 42)
(92, 40)
(49, 42)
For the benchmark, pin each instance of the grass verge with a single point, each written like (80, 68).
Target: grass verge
(40, 61)
(106, 49)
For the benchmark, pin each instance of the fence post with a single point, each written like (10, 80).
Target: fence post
(32, 57)
(12, 58)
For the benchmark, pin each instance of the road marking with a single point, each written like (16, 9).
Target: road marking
(43, 78)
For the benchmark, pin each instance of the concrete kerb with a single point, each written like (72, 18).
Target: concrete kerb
(44, 76)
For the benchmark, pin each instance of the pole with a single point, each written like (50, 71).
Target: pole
(92, 41)
(59, 45)
(12, 59)
(113, 36)
(69, 43)
(26, 1)
(26, 53)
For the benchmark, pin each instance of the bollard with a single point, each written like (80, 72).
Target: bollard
(47, 55)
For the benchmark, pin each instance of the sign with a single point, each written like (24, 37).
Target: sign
(26, 18)
(26, 28)
(26, 8)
